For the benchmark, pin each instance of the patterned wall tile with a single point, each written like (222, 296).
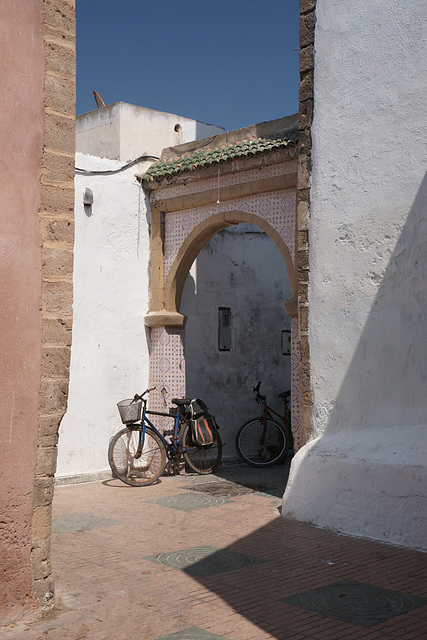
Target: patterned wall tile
(277, 208)
(167, 369)
(295, 392)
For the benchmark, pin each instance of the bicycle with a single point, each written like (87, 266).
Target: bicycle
(262, 442)
(138, 454)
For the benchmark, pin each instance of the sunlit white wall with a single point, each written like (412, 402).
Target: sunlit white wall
(366, 472)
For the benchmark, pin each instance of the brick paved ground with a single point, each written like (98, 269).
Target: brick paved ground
(219, 563)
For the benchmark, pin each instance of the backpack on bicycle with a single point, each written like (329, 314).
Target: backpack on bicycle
(203, 425)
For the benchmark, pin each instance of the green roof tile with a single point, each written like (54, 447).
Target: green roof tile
(206, 157)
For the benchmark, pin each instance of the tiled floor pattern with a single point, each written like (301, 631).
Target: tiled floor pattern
(222, 488)
(230, 489)
(205, 560)
(129, 567)
(189, 502)
(356, 602)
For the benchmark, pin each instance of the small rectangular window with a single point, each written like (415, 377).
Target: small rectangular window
(286, 342)
(224, 329)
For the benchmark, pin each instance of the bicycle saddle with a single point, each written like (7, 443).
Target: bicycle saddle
(181, 402)
(284, 394)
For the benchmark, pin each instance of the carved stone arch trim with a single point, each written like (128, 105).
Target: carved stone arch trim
(200, 235)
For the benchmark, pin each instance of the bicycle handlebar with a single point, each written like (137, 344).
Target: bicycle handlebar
(258, 396)
(137, 397)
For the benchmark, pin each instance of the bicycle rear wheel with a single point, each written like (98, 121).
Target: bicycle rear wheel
(258, 447)
(202, 460)
(142, 471)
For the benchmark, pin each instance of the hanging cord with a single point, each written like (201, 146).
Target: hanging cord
(139, 218)
(218, 200)
(111, 171)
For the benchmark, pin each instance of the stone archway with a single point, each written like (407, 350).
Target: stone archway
(201, 234)
(186, 211)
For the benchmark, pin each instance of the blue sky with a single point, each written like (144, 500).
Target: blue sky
(226, 62)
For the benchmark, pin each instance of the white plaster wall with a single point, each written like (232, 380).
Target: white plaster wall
(125, 131)
(242, 269)
(363, 487)
(368, 272)
(109, 356)
(369, 161)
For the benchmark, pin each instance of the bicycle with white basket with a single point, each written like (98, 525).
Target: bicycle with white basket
(138, 454)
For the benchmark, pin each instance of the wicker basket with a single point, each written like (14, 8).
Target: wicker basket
(130, 411)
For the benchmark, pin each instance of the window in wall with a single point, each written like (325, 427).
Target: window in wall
(224, 328)
(286, 342)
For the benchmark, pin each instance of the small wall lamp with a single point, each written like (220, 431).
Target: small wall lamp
(87, 196)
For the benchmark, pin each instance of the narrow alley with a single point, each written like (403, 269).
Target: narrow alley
(210, 558)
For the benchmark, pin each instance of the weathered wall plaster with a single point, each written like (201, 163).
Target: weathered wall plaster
(122, 131)
(368, 269)
(242, 269)
(37, 68)
(110, 353)
(370, 484)
(109, 359)
(20, 288)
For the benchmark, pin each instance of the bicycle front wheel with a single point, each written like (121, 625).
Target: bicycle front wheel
(202, 460)
(141, 471)
(260, 446)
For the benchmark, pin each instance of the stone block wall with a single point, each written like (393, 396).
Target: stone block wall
(56, 216)
(305, 116)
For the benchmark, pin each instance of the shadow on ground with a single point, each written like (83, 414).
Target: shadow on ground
(288, 578)
(271, 480)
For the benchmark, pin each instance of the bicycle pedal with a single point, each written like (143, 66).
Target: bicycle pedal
(168, 432)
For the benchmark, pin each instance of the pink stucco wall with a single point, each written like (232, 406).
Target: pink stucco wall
(21, 121)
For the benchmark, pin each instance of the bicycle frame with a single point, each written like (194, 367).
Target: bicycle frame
(170, 446)
(267, 411)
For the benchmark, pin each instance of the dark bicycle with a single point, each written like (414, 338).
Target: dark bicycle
(262, 441)
(138, 454)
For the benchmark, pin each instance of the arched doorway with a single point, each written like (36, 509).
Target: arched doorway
(185, 255)
(185, 214)
(238, 278)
